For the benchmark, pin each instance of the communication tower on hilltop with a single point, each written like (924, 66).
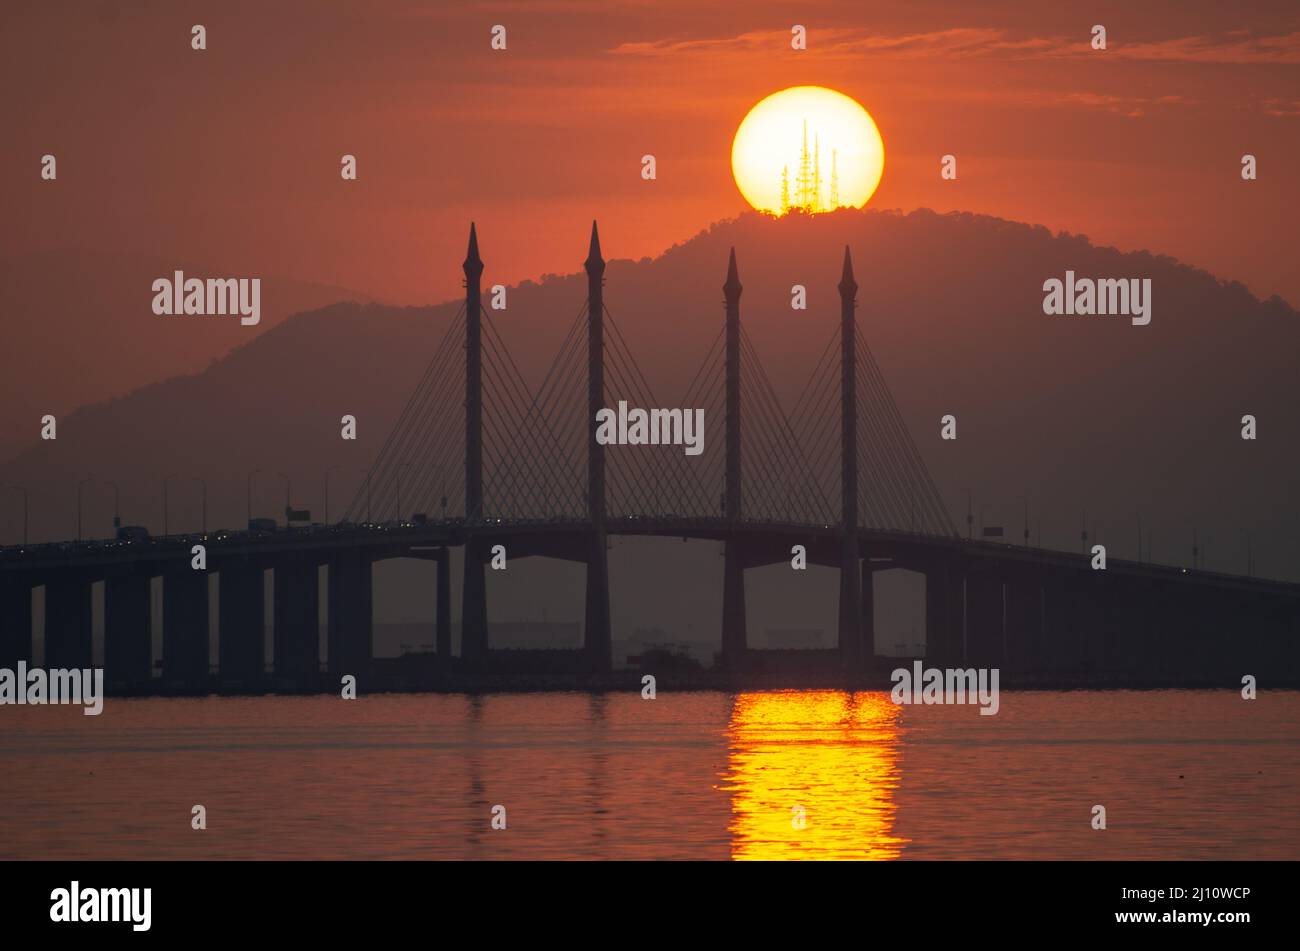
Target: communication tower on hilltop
(808, 180)
(835, 183)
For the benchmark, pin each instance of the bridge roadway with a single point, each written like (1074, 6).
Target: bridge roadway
(1039, 615)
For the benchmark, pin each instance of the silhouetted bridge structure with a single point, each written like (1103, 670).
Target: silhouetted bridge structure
(481, 461)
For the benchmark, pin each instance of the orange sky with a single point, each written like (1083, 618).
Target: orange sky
(231, 156)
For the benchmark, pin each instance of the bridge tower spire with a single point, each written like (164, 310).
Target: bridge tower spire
(733, 581)
(473, 380)
(597, 636)
(851, 614)
(474, 639)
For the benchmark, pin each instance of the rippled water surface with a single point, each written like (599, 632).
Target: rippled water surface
(797, 774)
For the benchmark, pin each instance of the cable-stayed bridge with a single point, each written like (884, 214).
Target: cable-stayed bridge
(480, 461)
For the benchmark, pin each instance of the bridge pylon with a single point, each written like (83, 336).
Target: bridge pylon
(734, 635)
(850, 626)
(474, 634)
(597, 638)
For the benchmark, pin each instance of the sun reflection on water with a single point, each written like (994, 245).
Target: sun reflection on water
(812, 774)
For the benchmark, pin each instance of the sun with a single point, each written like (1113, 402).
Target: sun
(810, 148)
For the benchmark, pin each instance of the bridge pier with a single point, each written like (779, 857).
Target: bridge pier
(1209, 631)
(15, 620)
(442, 624)
(1130, 649)
(68, 622)
(242, 636)
(735, 635)
(350, 625)
(944, 607)
(1058, 654)
(1272, 654)
(128, 629)
(1162, 627)
(473, 625)
(185, 627)
(867, 595)
(985, 620)
(297, 621)
(1022, 590)
(597, 637)
(1089, 621)
(850, 603)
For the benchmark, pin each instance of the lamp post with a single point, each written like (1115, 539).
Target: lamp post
(327, 492)
(250, 493)
(204, 486)
(117, 511)
(23, 490)
(288, 494)
(398, 479)
(366, 473)
(79, 485)
(165, 520)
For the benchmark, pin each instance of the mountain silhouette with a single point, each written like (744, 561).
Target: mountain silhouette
(81, 330)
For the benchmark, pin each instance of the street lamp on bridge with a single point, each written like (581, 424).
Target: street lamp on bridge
(204, 486)
(79, 485)
(327, 492)
(165, 519)
(366, 473)
(23, 490)
(288, 494)
(249, 481)
(117, 511)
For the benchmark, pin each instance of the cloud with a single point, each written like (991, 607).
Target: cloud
(1132, 106)
(1236, 47)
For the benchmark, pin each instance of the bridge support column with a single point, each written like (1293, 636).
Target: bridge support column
(1162, 633)
(1271, 654)
(1130, 630)
(442, 625)
(1024, 623)
(735, 634)
(473, 624)
(242, 635)
(943, 615)
(128, 630)
(850, 603)
(68, 622)
(1087, 625)
(1203, 627)
(15, 621)
(350, 625)
(297, 621)
(185, 627)
(1060, 652)
(867, 594)
(597, 637)
(985, 628)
